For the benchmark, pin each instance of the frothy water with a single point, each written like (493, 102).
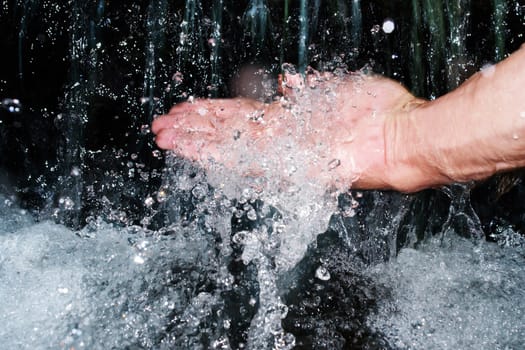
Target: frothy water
(209, 281)
(240, 262)
(462, 295)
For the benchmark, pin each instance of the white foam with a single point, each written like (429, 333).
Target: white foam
(458, 296)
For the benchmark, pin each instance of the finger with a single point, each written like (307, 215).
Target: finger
(188, 146)
(194, 121)
(162, 122)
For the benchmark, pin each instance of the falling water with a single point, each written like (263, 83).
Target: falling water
(500, 9)
(82, 79)
(155, 23)
(357, 23)
(215, 43)
(255, 20)
(303, 36)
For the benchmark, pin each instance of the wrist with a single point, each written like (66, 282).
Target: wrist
(411, 154)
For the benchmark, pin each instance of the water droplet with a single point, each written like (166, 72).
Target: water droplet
(515, 136)
(251, 215)
(240, 237)
(137, 259)
(198, 192)
(488, 70)
(334, 163)
(388, 26)
(236, 135)
(375, 29)
(148, 202)
(144, 129)
(522, 114)
(202, 111)
(161, 196)
(75, 171)
(67, 203)
(348, 212)
(62, 290)
(322, 273)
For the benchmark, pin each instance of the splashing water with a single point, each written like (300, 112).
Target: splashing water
(240, 262)
(463, 296)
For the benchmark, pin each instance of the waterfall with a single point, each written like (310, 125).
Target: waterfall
(203, 260)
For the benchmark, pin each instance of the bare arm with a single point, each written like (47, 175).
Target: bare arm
(381, 136)
(468, 134)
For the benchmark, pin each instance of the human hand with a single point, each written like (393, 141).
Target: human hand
(336, 130)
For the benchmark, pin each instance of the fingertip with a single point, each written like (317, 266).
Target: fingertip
(164, 140)
(156, 126)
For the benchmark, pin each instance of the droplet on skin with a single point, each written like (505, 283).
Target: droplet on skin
(334, 163)
(388, 26)
(202, 112)
(515, 136)
(522, 114)
(236, 135)
(488, 70)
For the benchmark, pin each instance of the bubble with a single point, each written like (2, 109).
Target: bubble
(202, 111)
(322, 273)
(12, 105)
(62, 290)
(137, 259)
(251, 214)
(199, 192)
(240, 237)
(148, 202)
(388, 26)
(67, 203)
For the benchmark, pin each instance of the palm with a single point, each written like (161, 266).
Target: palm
(330, 130)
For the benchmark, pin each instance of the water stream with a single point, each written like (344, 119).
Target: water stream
(108, 243)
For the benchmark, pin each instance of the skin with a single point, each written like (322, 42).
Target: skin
(378, 134)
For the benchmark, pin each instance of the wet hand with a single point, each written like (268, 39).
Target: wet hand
(327, 128)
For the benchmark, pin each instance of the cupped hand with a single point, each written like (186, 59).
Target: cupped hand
(338, 130)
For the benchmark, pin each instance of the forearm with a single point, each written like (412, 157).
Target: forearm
(470, 133)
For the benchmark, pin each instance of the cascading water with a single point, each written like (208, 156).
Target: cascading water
(107, 243)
